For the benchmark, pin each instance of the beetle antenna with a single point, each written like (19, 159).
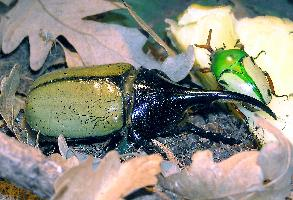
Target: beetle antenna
(262, 51)
(239, 45)
(207, 46)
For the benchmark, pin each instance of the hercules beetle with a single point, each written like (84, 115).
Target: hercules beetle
(99, 101)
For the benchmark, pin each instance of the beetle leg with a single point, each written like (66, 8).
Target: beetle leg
(207, 46)
(140, 142)
(215, 137)
(272, 86)
(236, 112)
(203, 70)
(256, 57)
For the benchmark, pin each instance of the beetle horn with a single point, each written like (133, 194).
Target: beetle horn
(211, 96)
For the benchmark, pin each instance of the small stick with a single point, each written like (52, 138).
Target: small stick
(27, 167)
(148, 29)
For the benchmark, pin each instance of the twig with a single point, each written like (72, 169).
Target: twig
(148, 29)
(27, 167)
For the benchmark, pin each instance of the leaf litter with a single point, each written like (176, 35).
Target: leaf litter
(95, 43)
(9, 104)
(264, 174)
(41, 40)
(111, 180)
(44, 21)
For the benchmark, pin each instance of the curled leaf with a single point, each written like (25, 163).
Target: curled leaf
(96, 43)
(111, 180)
(66, 164)
(177, 67)
(246, 175)
(9, 105)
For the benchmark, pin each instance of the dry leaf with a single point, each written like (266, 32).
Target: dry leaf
(72, 59)
(68, 152)
(64, 163)
(9, 105)
(177, 67)
(63, 147)
(248, 175)
(111, 180)
(96, 43)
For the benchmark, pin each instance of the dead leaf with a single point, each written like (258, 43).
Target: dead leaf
(68, 152)
(247, 175)
(111, 180)
(63, 147)
(9, 105)
(96, 43)
(177, 67)
(66, 164)
(72, 59)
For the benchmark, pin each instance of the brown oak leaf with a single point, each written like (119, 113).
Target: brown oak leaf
(96, 43)
(9, 104)
(251, 175)
(111, 180)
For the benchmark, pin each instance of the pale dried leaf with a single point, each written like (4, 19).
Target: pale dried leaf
(177, 67)
(63, 147)
(132, 175)
(72, 59)
(111, 180)
(68, 152)
(9, 105)
(96, 43)
(242, 176)
(68, 185)
(66, 164)
(276, 162)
